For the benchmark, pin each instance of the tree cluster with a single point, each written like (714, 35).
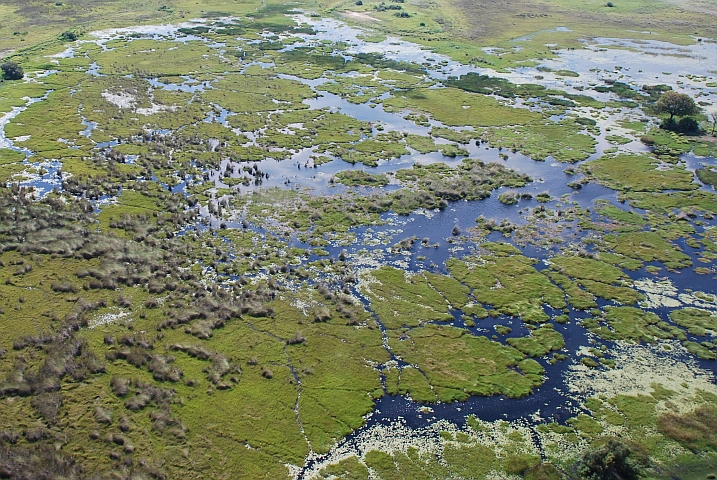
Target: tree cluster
(678, 105)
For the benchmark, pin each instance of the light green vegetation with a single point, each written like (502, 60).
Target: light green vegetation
(639, 173)
(55, 119)
(628, 323)
(356, 89)
(707, 175)
(359, 177)
(369, 152)
(540, 342)
(11, 163)
(648, 247)
(8, 157)
(482, 366)
(596, 277)
(696, 321)
(416, 301)
(670, 143)
(476, 110)
(508, 198)
(510, 284)
(458, 136)
(453, 151)
(585, 425)
(257, 92)
(629, 220)
(618, 139)
(156, 58)
(564, 141)
(421, 144)
(405, 301)
(666, 202)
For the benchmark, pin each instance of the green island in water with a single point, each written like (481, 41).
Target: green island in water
(373, 239)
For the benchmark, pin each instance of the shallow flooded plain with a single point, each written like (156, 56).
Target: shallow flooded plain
(277, 246)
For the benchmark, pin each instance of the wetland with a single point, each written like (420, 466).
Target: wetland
(322, 240)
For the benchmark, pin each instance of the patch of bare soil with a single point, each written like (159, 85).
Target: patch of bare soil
(359, 16)
(707, 138)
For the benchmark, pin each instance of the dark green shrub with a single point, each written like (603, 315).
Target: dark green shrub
(68, 36)
(611, 460)
(12, 71)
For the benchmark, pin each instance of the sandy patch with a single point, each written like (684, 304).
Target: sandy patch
(359, 16)
(108, 318)
(121, 100)
(155, 109)
(129, 101)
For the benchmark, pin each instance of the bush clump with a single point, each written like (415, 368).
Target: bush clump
(12, 71)
(611, 460)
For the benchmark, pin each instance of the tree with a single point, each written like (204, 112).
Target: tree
(713, 119)
(12, 71)
(676, 104)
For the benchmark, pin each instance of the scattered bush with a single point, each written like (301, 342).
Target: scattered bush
(508, 198)
(41, 462)
(321, 314)
(103, 416)
(124, 424)
(161, 369)
(7, 436)
(544, 471)
(63, 287)
(138, 402)
(120, 385)
(296, 339)
(47, 405)
(35, 434)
